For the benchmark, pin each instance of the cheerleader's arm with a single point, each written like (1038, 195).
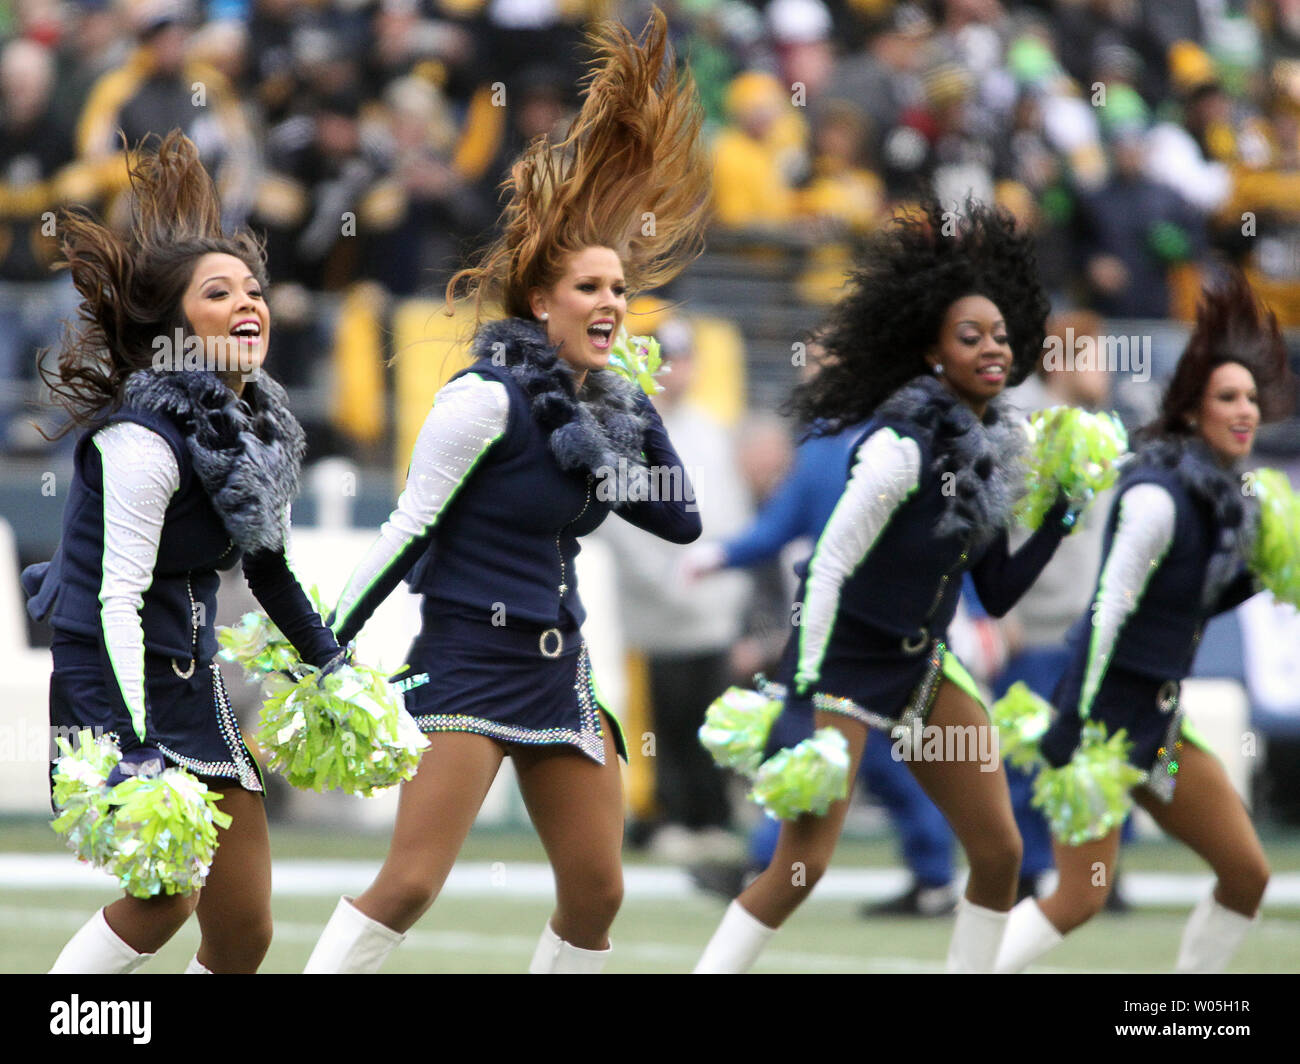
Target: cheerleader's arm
(276, 586)
(1001, 578)
(886, 470)
(1243, 586)
(140, 475)
(469, 415)
(673, 516)
(1143, 534)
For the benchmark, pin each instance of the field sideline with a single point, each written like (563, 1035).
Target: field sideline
(491, 913)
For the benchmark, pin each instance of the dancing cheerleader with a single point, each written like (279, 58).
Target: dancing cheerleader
(521, 455)
(180, 471)
(1178, 539)
(943, 314)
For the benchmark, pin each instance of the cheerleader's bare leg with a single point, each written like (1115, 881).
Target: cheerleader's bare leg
(1207, 814)
(1085, 875)
(803, 853)
(576, 806)
(435, 811)
(976, 802)
(122, 936)
(234, 909)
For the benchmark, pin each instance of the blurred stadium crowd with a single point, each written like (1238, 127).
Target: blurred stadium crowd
(1142, 144)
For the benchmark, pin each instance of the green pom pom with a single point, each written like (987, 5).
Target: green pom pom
(736, 726)
(256, 645)
(1089, 797)
(1021, 717)
(349, 731)
(1275, 559)
(638, 359)
(153, 834)
(259, 647)
(166, 828)
(79, 785)
(805, 778)
(1071, 452)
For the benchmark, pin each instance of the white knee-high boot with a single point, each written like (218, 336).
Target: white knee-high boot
(196, 967)
(1028, 936)
(352, 943)
(736, 943)
(554, 956)
(976, 935)
(1213, 934)
(96, 950)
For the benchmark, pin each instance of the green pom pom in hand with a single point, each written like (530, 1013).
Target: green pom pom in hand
(346, 730)
(736, 726)
(805, 778)
(638, 359)
(153, 834)
(1275, 558)
(79, 784)
(1072, 452)
(1089, 797)
(256, 645)
(166, 827)
(1021, 717)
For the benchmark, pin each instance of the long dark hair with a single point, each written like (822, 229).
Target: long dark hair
(131, 284)
(1231, 326)
(908, 276)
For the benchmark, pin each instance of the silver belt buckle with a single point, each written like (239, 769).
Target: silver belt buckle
(921, 642)
(1167, 696)
(559, 643)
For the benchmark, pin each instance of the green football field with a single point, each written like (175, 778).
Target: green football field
(493, 926)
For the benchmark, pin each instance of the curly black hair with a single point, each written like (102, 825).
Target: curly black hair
(908, 276)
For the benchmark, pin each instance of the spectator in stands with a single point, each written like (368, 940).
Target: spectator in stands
(35, 179)
(160, 88)
(753, 189)
(413, 245)
(1135, 230)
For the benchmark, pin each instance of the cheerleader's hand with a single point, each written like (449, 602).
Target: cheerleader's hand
(142, 761)
(342, 658)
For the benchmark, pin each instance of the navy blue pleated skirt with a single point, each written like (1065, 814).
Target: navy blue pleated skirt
(512, 683)
(190, 719)
(872, 677)
(1148, 708)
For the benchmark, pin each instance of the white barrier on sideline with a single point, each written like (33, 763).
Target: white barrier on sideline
(24, 696)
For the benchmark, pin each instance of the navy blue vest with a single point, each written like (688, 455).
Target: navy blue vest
(911, 578)
(1159, 639)
(180, 607)
(510, 537)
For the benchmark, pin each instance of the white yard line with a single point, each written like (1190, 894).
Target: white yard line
(532, 880)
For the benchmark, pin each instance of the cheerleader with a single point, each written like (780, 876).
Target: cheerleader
(943, 314)
(522, 454)
(1176, 545)
(181, 470)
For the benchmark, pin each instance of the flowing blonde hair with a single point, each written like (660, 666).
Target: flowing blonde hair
(631, 175)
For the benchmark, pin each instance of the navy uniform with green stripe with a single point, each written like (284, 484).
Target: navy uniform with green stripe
(487, 530)
(928, 498)
(132, 596)
(1174, 555)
